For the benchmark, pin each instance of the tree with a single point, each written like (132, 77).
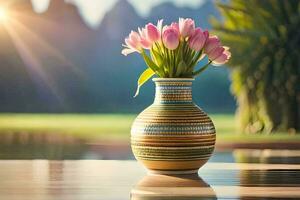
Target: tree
(264, 36)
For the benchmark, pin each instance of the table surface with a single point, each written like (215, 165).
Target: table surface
(109, 179)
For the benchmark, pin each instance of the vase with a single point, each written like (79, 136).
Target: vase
(173, 135)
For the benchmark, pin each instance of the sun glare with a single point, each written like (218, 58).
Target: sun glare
(3, 15)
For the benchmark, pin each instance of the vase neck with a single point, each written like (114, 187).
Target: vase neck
(173, 91)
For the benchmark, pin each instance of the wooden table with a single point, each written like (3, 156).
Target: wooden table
(100, 179)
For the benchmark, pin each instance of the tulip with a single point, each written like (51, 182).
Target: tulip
(206, 34)
(159, 26)
(186, 27)
(144, 41)
(198, 39)
(223, 58)
(142, 32)
(211, 43)
(152, 33)
(170, 38)
(175, 26)
(133, 44)
(214, 54)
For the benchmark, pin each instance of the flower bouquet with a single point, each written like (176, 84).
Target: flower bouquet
(173, 51)
(174, 135)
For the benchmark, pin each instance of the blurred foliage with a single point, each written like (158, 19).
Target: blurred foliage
(264, 37)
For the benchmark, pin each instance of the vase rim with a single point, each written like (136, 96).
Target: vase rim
(172, 79)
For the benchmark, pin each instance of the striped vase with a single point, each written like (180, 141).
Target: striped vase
(173, 135)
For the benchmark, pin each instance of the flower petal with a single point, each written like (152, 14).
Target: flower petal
(126, 51)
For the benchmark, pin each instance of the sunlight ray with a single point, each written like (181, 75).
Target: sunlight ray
(32, 48)
(31, 61)
(49, 49)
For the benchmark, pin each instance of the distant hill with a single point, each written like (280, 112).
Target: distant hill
(72, 68)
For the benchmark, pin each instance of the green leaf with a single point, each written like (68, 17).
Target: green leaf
(195, 59)
(149, 62)
(157, 57)
(182, 67)
(144, 77)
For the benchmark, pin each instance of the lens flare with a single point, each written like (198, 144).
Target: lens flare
(3, 15)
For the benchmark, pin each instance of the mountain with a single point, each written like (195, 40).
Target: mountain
(52, 62)
(200, 15)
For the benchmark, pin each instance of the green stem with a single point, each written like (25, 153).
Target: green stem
(171, 69)
(195, 60)
(199, 71)
(185, 50)
(165, 57)
(173, 62)
(159, 48)
(191, 59)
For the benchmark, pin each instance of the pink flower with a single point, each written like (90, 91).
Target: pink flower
(132, 44)
(144, 41)
(152, 33)
(211, 43)
(175, 26)
(186, 27)
(223, 58)
(198, 39)
(218, 54)
(215, 53)
(170, 37)
(159, 26)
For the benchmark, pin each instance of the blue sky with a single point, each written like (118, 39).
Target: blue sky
(94, 10)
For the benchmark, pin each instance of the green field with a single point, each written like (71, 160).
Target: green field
(115, 126)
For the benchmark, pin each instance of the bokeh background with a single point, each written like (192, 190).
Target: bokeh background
(64, 56)
(66, 92)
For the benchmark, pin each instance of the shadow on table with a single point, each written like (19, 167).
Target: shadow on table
(175, 187)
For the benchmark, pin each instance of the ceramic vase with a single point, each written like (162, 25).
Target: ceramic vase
(173, 135)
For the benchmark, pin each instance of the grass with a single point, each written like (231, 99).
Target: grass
(116, 126)
(109, 126)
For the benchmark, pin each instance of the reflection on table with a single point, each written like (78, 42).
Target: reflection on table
(116, 180)
(175, 187)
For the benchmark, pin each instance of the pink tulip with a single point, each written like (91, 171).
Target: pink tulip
(206, 34)
(133, 44)
(175, 26)
(133, 40)
(211, 43)
(170, 38)
(198, 39)
(159, 26)
(144, 41)
(223, 58)
(142, 32)
(186, 27)
(215, 53)
(152, 33)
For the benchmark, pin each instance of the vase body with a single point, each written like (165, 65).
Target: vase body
(173, 135)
